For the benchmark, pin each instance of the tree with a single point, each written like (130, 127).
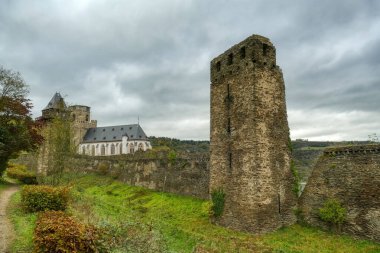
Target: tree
(58, 147)
(18, 131)
(334, 213)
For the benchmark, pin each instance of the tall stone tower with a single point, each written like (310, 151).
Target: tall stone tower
(250, 152)
(81, 116)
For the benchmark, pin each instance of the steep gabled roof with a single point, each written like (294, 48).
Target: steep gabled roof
(57, 102)
(114, 133)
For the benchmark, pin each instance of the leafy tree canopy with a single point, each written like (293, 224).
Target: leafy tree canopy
(18, 131)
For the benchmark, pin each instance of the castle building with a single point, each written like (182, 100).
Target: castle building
(93, 140)
(249, 152)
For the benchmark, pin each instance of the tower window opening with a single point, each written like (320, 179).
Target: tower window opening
(242, 53)
(230, 59)
(218, 66)
(230, 160)
(265, 49)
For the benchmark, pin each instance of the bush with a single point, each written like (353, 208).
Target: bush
(217, 198)
(333, 213)
(41, 198)
(57, 232)
(103, 168)
(19, 172)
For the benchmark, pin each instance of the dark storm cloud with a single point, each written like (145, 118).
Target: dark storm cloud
(151, 59)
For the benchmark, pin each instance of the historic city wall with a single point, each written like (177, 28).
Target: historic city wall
(352, 176)
(183, 174)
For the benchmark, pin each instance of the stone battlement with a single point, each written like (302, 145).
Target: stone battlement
(255, 51)
(353, 150)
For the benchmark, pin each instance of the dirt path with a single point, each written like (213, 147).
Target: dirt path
(6, 230)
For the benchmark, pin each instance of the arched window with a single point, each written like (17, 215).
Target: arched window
(93, 150)
(83, 150)
(131, 148)
(112, 149)
(121, 149)
(141, 147)
(102, 150)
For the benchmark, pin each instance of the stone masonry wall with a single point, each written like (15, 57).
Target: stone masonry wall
(186, 175)
(249, 151)
(351, 175)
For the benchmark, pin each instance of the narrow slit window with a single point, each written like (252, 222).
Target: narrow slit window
(242, 53)
(218, 65)
(265, 49)
(230, 59)
(229, 125)
(230, 160)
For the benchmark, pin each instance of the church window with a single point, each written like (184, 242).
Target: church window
(112, 149)
(102, 150)
(93, 150)
(87, 118)
(141, 147)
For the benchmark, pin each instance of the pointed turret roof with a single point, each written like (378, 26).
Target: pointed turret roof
(57, 102)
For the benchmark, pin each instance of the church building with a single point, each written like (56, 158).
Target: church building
(93, 140)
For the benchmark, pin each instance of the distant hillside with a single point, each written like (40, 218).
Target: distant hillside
(305, 153)
(181, 145)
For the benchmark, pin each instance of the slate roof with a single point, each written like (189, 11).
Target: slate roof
(56, 102)
(114, 133)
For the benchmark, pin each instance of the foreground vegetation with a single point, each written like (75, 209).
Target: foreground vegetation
(135, 219)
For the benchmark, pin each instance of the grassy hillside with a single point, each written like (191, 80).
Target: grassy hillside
(135, 219)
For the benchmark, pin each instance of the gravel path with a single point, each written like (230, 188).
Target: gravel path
(6, 230)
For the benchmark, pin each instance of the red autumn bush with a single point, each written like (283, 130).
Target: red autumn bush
(58, 232)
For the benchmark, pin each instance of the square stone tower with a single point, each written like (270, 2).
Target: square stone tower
(250, 146)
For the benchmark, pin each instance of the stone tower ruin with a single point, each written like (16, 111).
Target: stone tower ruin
(250, 146)
(81, 117)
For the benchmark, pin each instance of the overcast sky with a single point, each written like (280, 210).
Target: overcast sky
(151, 59)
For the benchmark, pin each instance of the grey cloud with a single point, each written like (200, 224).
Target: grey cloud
(151, 58)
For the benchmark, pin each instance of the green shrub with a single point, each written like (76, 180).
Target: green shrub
(218, 198)
(333, 213)
(57, 232)
(103, 168)
(172, 156)
(19, 172)
(41, 198)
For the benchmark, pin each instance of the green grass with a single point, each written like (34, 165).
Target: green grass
(173, 223)
(23, 223)
(135, 219)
